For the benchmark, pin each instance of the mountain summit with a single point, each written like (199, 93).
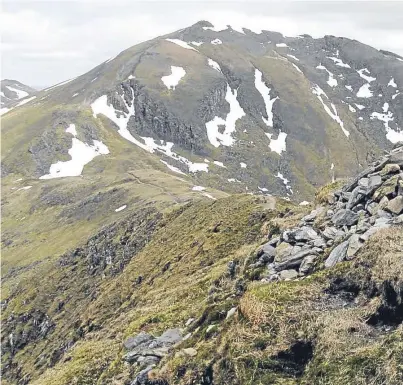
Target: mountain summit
(232, 109)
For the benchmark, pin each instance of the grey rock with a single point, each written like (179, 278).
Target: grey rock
(266, 253)
(357, 195)
(374, 182)
(134, 354)
(274, 241)
(142, 377)
(337, 255)
(304, 233)
(318, 242)
(390, 168)
(354, 245)
(147, 360)
(345, 217)
(383, 203)
(139, 339)
(372, 208)
(379, 225)
(395, 205)
(362, 226)
(363, 182)
(294, 260)
(331, 233)
(285, 250)
(307, 264)
(312, 215)
(288, 274)
(168, 338)
(383, 214)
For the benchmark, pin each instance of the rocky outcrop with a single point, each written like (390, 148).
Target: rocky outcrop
(146, 351)
(369, 203)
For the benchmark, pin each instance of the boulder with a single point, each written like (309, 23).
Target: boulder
(354, 245)
(139, 339)
(288, 274)
(307, 264)
(266, 253)
(374, 182)
(313, 214)
(357, 195)
(191, 352)
(337, 255)
(285, 250)
(304, 233)
(331, 233)
(345, 217)
(395, 205)
(388, 188)
(169, 337)
(390, 168)
(294, 260)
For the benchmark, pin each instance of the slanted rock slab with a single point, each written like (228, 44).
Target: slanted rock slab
(337, 255)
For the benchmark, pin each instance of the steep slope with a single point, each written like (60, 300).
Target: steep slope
(14, 93)
(233, 291)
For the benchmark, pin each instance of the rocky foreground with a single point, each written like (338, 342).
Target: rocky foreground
(331, 233)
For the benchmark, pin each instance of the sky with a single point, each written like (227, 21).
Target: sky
(46, 42)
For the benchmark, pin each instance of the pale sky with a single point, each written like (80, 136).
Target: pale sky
(46, 42)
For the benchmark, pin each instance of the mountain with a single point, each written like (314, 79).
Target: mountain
(276, 114)
(137, 197)
(14, 93)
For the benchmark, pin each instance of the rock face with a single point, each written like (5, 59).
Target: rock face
(372, 202)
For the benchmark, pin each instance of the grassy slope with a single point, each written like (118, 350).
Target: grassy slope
(242, 350)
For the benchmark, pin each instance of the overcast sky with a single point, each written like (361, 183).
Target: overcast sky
(46, 42)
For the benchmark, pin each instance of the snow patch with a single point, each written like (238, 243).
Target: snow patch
(198, 188)
(304, 203)
(385, 107)
(4, 110)
(369, 79)
(332, 81)
(265, 92)
(360, 106)
(263, 189)
(81, 154)
(25, 101)
(197, 43)
(216, 42)
(120, 208)
(338, 62)
(171, 81)
(392, 135)
(351, 108)
(395, 95)
(209, 196)
(131, 77)
(24, 188)
(364, 91)
(332, 113)
(220, 164)
(236, 112)
(285, 181)
(293, 57)
(172, 168)
(20, 94)
(93, 80)
(243, 165)
(277, 145)
(71, 129)
(281, 45)
(392, 83)
(74, 95)
(297, 68)
(214, 64)
(181, 43)
(349, 88)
